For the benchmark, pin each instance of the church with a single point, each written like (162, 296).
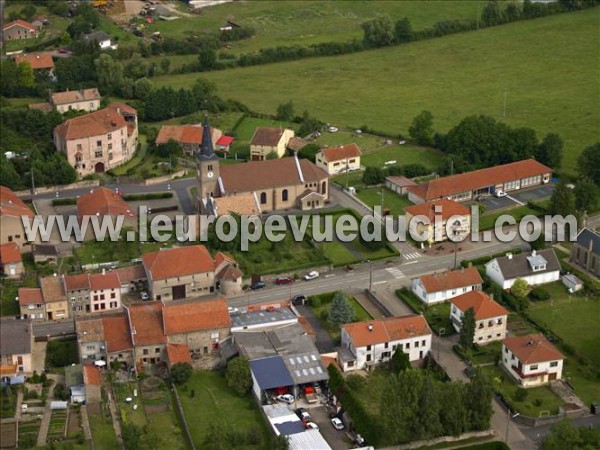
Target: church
(257, 187)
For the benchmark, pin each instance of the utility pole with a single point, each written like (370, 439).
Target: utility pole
(32, 182)
(370, 275)
(347, 173)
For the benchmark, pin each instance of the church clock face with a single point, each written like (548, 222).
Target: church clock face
(209, 174)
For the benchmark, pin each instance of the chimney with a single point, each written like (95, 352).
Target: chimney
(370, 327)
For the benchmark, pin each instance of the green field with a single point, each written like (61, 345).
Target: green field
(548, 77)
(103, 433)
(394, 202)
(488, 221)
(213, 401)
(310, 22)
(321, 312)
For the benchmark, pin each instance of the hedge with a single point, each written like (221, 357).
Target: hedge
(64, 201)
(150, 196)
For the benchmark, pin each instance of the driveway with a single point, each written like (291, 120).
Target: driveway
(494, 203)
(323, 341)
(537, 193)
(336, 439)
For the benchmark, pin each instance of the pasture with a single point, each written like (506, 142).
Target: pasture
(547, 77)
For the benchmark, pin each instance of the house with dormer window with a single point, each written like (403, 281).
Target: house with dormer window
(537, 267)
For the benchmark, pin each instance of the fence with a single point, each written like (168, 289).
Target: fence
(184, 425)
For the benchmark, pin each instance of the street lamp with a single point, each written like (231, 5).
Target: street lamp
(370, 274)
(508, 418)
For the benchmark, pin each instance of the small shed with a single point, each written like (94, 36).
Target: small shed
(572, 283)
(45, 253)
(399, 185)
(54, 405)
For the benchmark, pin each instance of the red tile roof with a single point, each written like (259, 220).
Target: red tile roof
(224, 141)
(178, 353)
(445, 209)
(229, 272)
(195, 315)
(36, 60)
(90, 329)
(221, 257)
(378, 331)
(92, 375)
(256, 175)
(267, 136)
(96, 123)
(52, 289)
(184, 134)
(533, 348)
(11, 205)
(479, 179)
(77, 282)
(103, 202)
(10, 253)
(483, 306)
(178, 262)
(117, 334)
(30, 296)
(147, 323)
(341, 152)
(21, 23)
(80, 95)
(453, 279)
(122, 108)
(131, 273)
(106, 280)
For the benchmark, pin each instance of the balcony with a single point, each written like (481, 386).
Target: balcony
(519, 372)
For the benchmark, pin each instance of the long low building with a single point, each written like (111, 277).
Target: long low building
(466, 186)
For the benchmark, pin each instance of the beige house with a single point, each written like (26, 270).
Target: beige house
(80, 100)
(19, 29)
(16, 344)
(431, 219)
(12, 209)
(228, 274)
(532, 360)
(100, 140)
(147, 334)
(11, 263)
(490, 317)
(179, 273)
(55, 298)
(107, 338)
(31, 304)
(341, 159)
(269, 140)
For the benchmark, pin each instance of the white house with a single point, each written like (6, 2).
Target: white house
(439, 287)
(365, 344)
(490, 317)
(537, 267)
(532, 360)
(340, 159)
(103, 40)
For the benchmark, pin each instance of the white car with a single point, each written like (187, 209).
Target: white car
(144, 295)
(500, 193)
(286, 398)
(311, 275)
(333, 129)
(311, 426)
(337, 423)
(233, 310)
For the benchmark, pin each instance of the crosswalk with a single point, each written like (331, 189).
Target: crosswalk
(412, 255)
(396, 273)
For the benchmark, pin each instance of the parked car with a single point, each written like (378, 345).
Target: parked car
(298, 299)
(333, 129)
(285, 398)
(499, 193)
(303, 414)
(284, 280)
(311, 275)
(144, 296)
(258, 285)
(311, 425)
(337, 423)
(233, 310)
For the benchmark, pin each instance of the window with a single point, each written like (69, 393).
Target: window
(110, 146)
(554, 364)
(263, 198)
(113, 295)
(109, 136)
(407, 346)
(368, 348)
(386, 345)
(284, 195)
(98, 143)
(157, 350)
(423, 342)
(209, 167)
(79, 147)
(490, 323)
(416, 344)
(90, 348)
(533, 367)
(98, 153)
(368, 358)
(145, 351)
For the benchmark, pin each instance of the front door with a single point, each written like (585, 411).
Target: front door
(551, 376)
(178, 292)
(50, 315)
(99, 167)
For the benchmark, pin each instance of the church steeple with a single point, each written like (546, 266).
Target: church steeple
(206, 152)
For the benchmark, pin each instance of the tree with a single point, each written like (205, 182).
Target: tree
(217, 437)
(512, 12)
(587, 194)
(520, 288)
(400, 361)
(168, 150)
(165, 64)
(203, 90)
(238, 375)
(373, 175)
(28, 12)
(478, 401)
(132, 435)
(309, 152)
(136, 67)
(207, 58)
(142, 88)
(563, 436)
(491, 14)
(280, 442)
(562, 201)
(403, 30)
(427, 422)
(65, 39)
(453, 413)
(588, 162)
(285, 112)
(110, 74)
(272, 155)
(467, 329)
(378, 32)
(341, 310)
(181, 372)
(550, 151)
(421, 129)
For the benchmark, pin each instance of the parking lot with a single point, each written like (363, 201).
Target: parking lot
(536, 193)
(337, 439)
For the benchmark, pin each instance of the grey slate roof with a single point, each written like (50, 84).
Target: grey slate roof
(586, 236)
(305, 367)
(15, 337)
(519, 267)
(261, 317)
(271, 372)
(286, 340)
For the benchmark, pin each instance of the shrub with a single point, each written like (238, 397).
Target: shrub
(538, 402)
(520, 394)
(539, 293)
(356, 382)
(315, 302)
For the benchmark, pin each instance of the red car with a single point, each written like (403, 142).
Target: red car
(283, 280)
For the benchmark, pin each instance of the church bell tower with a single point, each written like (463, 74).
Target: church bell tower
(207, 166)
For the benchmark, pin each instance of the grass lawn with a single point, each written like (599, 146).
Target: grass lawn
(453, 77)
(321, 312)
(128, 414)
(437, 316)
(488, 221)
(394, 202)
(214, 401)
(539, 399)
(403, 155)
(309, 22)
(93, 252)
(103, 433)
(8, 292)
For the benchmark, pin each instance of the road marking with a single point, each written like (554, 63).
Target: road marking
(330, 275)
(396, 273)
(379, 282)
(519, 202)
(413, 255)
(410, 262)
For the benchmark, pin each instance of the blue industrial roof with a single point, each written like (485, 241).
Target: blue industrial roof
(271, 372)
(287, 428)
